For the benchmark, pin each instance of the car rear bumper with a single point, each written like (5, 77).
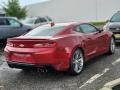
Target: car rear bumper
(117, 40)
(30, 56)
(25, 65)
(19, 65)
(36, 58)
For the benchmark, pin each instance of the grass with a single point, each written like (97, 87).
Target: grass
(98, 23)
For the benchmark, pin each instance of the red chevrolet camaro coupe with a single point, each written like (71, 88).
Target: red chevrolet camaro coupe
(64, 47)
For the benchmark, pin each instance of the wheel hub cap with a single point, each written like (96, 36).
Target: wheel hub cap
(78, 61)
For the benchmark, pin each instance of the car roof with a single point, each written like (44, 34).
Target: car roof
(38, 16)
(66, 24)
(9, 17)
(56, 25)
(62, 24)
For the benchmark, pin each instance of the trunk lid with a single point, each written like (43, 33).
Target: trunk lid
(30, 42)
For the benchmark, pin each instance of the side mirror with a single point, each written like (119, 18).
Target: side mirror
(52, 24)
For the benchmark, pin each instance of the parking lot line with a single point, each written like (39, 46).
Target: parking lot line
(95, 77)
(115, 62)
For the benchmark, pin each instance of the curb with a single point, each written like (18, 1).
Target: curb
(110, 85)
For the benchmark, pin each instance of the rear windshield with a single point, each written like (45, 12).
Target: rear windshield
(45, 31)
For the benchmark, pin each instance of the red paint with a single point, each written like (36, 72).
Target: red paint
(57, 50)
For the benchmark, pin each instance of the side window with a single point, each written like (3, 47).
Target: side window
(87, 28)
(3, 22)
(43, 20)
(77, 29)
(49, 18)
(37, 21)
(13, 23)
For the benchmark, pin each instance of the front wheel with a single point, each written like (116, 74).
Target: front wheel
(77, 62)
(112, 46)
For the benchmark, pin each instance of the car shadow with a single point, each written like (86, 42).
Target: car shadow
(2, 46)
(103, 59)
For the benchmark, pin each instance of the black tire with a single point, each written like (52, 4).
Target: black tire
(76, 62)
(26, 69)
(111, 46)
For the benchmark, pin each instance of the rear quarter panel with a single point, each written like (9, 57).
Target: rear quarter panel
(66, 44)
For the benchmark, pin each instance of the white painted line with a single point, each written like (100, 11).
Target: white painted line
(4, 66)
(115, 62)
(92, 79)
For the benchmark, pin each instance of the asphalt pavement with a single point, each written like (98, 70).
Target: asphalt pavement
(96, 73)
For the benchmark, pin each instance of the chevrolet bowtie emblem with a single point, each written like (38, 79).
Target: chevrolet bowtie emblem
(21, 45)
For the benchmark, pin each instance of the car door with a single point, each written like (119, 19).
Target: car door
(92, 39)
(40, 21)
(4, 28)
(15, 28)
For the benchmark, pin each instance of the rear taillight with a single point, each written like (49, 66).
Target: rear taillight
(45, 44)
(10, 44)
(31, 44)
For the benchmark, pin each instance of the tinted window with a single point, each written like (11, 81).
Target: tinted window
(86, 28)
(3, 21)
(49, 18)
(43, 20)
(37, 21)
(78, 29)
(115, 18)
(45, 31)
(13, 23)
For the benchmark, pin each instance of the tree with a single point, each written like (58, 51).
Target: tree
(13, 8)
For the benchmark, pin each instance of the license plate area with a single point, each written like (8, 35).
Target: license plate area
(21, 57)
(117, 35)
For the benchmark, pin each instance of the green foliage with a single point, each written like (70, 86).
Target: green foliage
(98, 23)
(13, 8)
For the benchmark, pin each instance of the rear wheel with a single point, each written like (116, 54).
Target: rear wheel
(77, 62)
(112, 46)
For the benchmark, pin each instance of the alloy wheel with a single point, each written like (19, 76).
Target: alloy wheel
(77, 62)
